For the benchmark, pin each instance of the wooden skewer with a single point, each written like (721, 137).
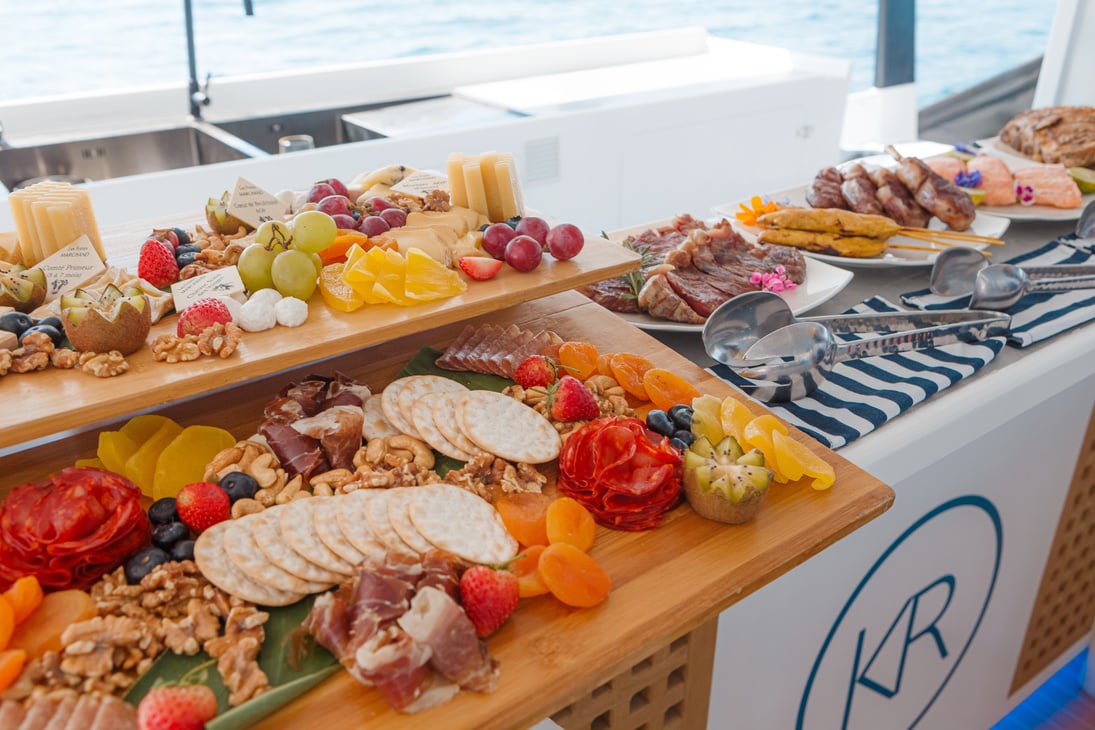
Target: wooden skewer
(943, 241)
(910, 247)
(956, 235)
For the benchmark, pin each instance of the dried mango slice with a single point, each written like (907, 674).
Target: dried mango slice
(115, 448)
(758, 434)
(336, 292)
(796, 460)
(141, 467)
(428, 280)
(183, 460)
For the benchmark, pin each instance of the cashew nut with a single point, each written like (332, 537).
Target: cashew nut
(334, 477)
(266, 497)
(323, 489)
(263, 470)
(360, 456)
(221, 460)
(422, 456)
(374, 451)
(290, 489)
(246, 507)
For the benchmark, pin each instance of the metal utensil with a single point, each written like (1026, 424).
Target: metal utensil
(1000, 286)
(955, 270)
(793, 361)
(743, 320)
(1085, 226)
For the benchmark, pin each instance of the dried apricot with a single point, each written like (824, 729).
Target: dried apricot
(24, 596)
(580, 358)
(604, 366)
(628, 370)
(796, 460)
(526, 567)
(11, 666)
(7, 622)
(42, 631)
(568, 521)
(666, 389)
(572, 576)
(524, 514)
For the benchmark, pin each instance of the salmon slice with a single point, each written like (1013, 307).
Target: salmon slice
(996, 179)
(947, 167)
(1052, 185)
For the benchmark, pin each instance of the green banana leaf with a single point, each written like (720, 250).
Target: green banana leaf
(287, 683)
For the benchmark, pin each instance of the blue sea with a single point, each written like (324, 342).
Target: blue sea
(50, 47)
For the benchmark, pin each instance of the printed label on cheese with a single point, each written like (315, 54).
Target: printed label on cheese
(224, 282)
(70, 267)
(253, 205)
(421, 183)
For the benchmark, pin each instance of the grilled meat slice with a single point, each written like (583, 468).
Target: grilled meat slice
(859, 192)
(824, 190)
(897, 202)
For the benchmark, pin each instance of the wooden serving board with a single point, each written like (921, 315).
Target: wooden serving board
(57, 400)
(666, 582)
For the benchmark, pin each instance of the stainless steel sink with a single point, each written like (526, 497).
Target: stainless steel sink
(110, 156)
(324, 126)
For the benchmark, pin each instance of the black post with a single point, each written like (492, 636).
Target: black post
(192, 61)
(895, 56)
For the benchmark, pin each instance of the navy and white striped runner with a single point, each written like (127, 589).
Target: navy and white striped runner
(1036, 316)
(861, 395)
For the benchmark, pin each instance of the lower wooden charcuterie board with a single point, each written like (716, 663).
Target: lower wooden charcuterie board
(666, 581)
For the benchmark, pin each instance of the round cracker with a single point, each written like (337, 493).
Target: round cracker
(376, 426)
(389, 404)
(420, 386)
(274, 542)
(244, 550)
(351, 520)
(376, 512)
(444, 417)
(400, 519)
(325, 521)
(507, 427)
(459, 522)
(422, 415)
(218, 568)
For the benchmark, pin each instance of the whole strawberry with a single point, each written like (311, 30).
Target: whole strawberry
(572, 401)
(177, 708)
(157, 264)
(489, 597)
(202, 504)
(535, 371)
(201, 314)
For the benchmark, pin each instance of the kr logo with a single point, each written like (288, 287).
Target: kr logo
(908, 623)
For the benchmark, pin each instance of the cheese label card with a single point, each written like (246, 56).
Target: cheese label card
(421, 183)
(224, 282)
(70, 267)
(253, 205)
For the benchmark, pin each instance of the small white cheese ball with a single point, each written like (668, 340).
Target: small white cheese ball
(234, 307)
(266, 297)
(257, 315)
(291, 312)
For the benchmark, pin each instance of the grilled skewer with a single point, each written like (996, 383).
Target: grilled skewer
(935, 193)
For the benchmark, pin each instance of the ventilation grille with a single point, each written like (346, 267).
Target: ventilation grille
(542, 160)
(1065, 606)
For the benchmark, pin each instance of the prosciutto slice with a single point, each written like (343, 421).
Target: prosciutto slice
(396, 664)
(436, 621)
(338, 430)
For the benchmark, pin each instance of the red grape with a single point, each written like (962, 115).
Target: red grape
(320, 191)
(344, 221)
(565, 241)
(376, 204)
(536, 228)
(373, 225)
(334, 205)
(339, 188)
(495, 239)
(394, 217)
(523, 253)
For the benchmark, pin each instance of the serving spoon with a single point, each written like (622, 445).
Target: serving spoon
(1001, 286)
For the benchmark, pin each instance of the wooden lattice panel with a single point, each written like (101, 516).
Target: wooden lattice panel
(1065, 606)
(668, 689)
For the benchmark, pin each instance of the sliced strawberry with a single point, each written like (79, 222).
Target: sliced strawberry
(480, 268)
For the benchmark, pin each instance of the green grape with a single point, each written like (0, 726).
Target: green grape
(313, 231)
(254, 267)
(294, 274)
(274, 234)
(317, 262)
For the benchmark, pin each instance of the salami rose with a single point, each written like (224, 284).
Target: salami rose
(626, 475)
(71, 529)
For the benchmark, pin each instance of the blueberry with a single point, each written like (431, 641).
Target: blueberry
(483, 227)
(239, 485)
(677, 444)
(53, 332)
(682, 416)
(187, 248)
(15, 322)
(182, 235)
(142, 563)
(169, 533)
(163, 511)
(658, 422)
(513, 221)
(684, 436)
(185, 259)
(53, 321)
(183, 550)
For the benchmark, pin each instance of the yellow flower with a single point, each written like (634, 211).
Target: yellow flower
(757, 207)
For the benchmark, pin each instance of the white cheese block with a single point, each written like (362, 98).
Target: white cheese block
(509, 186)
(458, 193)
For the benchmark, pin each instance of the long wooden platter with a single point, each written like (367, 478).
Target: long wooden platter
(59, 400)
(666, 582)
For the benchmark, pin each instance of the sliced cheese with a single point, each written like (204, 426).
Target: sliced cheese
(458, 193)
(509, 186)
(490, 183)
(51, 215)
(460, 220)
(477, 191)
(437, 241)
(9, 247)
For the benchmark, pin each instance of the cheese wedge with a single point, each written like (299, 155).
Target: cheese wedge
(458, 193)
(476, 189)
(487, 161)
(509, 187)
(51, 215)
(487, 184)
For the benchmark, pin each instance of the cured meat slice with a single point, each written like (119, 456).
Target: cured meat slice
(11, 713)
(457, 653)
(338, 430)
(660, 299)
(297, 453)
(113, 714)
(439, 570)
(396, 665)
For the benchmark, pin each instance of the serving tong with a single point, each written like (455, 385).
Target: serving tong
(783, 358)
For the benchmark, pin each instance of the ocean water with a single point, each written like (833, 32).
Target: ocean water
(50, 47)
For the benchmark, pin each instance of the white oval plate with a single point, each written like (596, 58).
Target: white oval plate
(993, 146)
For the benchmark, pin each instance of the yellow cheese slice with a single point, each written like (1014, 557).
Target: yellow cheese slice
(490, 184)
(47, 240)
(437, 241)
(458, 193)
(477, 192)
(9, 248)
(51, 215)
(509, 186)
(457, 219)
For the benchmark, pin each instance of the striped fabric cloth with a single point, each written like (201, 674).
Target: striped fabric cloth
(861, 395)
(1039, 316)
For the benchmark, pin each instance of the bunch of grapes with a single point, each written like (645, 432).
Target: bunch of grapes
(285, 256)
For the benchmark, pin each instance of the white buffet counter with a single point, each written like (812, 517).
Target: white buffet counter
(950, 608)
